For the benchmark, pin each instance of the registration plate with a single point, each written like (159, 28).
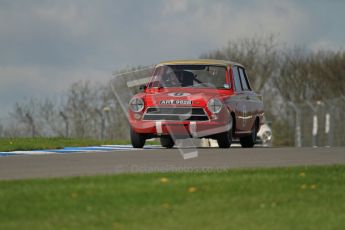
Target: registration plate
(175, 102)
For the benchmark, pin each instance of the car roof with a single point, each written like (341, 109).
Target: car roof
(224, 63)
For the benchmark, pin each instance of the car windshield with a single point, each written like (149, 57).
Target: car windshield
(195, 76)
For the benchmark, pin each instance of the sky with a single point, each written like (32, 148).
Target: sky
(46, 45)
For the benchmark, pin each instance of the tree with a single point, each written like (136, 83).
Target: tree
(259, 55)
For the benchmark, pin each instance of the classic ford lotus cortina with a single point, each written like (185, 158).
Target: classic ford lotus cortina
(198, 99)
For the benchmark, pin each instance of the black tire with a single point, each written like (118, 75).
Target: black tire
(224, 139)
(249, 141)
(167, 142)
(138, 140)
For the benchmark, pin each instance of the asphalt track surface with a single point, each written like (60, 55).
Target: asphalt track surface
(161, 160)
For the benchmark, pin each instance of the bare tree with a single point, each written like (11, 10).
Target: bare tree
(79, 108)
(258, 54)
(24, 115)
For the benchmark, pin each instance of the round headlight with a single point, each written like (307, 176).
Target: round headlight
(136, 104)
(214, 105)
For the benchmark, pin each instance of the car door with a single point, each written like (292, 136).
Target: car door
(249, 101)
(240, 101)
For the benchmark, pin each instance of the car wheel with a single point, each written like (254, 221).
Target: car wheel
(137, 139)
(167, 142)
(224, 139)
(249, 141)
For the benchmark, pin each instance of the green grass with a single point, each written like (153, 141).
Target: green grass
(280, 198)
(17, 144)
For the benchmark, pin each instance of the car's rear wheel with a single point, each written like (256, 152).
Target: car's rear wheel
(167, 142)
(224, 139)
(137, 139)
(249, 141)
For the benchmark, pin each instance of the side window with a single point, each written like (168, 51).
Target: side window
(244, 80)
(237, 80)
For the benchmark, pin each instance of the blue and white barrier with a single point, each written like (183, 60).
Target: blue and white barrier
(66, 150)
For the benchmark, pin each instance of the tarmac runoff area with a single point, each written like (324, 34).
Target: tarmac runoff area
(156, 159)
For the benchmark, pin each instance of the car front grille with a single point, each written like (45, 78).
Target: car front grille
(175, 114)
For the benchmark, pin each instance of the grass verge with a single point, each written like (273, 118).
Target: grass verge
(279, 198)
(19, 144)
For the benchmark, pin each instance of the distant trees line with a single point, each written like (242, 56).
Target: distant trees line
(293, 74)
(279, 73)
(87, 112)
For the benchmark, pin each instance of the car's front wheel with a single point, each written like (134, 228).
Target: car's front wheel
(249, 141)
(138, 140)
(167, 142)
(224, 139)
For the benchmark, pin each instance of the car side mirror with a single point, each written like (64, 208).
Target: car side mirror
(142, 87)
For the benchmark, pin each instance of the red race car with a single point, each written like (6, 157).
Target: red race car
(199, 99)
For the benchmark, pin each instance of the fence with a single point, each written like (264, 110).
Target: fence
(317, 123)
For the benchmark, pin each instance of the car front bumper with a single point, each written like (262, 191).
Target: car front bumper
(180, 128)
